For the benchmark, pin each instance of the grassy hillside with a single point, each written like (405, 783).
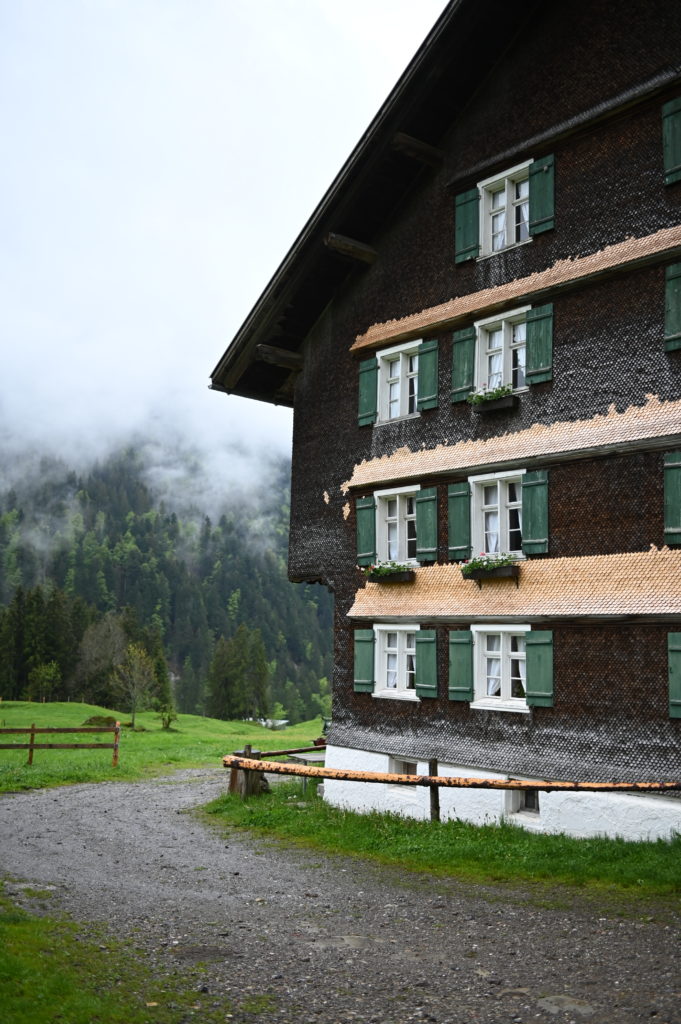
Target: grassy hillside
(149, 750)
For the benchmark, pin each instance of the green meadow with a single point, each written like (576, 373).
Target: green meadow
(148, 750)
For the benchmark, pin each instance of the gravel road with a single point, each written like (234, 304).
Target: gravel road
(329, 939)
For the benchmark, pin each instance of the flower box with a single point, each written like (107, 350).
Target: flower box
(498, 572)
(403, 576)
(496, 404)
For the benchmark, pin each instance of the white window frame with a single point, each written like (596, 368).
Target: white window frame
(477, 485)
(382, 498)
(505, 322)
(504, 182)
(480, 697)
(385, 358)
(381, 631)
(397, 766)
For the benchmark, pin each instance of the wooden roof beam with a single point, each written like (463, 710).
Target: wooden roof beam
(279, 357)
(350, 247)
(417, 150)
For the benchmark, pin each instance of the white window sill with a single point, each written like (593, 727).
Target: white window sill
(490, 704)
(498, 252)
(396, 695)
(398, 419)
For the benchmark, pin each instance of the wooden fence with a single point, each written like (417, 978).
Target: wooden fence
(33, 731)
(239, 762)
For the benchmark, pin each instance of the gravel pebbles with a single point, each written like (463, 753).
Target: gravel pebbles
(297, 937)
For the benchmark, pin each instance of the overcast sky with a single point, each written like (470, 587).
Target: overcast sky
(159, 158)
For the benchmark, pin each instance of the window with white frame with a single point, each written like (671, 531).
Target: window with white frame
(501, 351)
(396, 524)
(497, 513)
(395, 669)
(499, 667)
(398, 381)
(505, 209)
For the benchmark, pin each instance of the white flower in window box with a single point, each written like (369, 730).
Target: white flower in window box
(493, 566)
(491, 399)
(389, 572)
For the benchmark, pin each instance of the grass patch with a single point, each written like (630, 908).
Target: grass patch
(488, 853)
(193, 742)
(51, 970)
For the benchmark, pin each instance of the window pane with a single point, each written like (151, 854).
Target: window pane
(489, 494)
(498, 231)
(493, 677)
(393, 547)
(391, 672)
(411, 672)
(517, 678)
(391, 641)
(498, 199)
(394, 400)
(518, 368)
(411, 538)
(518, 644)
(491, 532)
(493, 642)
(522, 189)
(413, 394)
(515, 537)
(495, 367)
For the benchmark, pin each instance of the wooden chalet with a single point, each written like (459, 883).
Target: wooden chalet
(479, 332)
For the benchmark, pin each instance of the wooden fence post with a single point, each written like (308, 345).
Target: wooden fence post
(434, 793)
(31, 742)
(246, 783)
(117, 738)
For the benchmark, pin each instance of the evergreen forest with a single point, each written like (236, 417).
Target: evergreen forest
(111, 596)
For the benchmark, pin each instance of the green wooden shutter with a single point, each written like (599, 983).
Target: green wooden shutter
(672, 498)
(461, 665)
(671, 140)
(541, 195)
(463, 363)
(427, 375)
(535, 517)
(364, 661)
(674, 662)
(467, 228)
(539, 668)
(368, 391)
(426, 525)
(539, 344)
(366, 530)
(672, 308)
(459, 520)
(426, 663)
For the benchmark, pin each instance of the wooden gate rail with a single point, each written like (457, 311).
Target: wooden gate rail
(34, 731)
(446, 781)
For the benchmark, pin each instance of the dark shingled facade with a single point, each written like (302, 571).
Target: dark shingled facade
(585, 83)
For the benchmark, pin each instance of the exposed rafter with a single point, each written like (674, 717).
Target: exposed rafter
(279, 357)
(417, 150)
(350, 247)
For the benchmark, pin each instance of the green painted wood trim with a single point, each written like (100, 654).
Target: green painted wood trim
(539, 361)
(368, 392)
(539, 668)
(463, 363)
(426, 663)
(467, 226)
(366, 530)
(674, 664)
(426, 524)
(542, 175)
(672, 498)
(459, 521)
(672, 308)
(671, 141)
(428, 374)
(460, 665)
(535, 517)
(364, 661)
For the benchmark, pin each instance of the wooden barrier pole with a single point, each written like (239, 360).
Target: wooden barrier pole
(31, 743)
(117, 738)
(434, 793)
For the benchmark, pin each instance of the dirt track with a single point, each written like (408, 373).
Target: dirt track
(329, 939)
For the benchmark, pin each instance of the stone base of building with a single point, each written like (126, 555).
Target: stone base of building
(627, 815)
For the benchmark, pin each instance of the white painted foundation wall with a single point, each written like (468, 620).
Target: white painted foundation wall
(629, 815)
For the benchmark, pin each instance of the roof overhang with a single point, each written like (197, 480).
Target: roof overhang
(341, 237)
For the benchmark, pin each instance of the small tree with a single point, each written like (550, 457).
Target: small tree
(134, 680)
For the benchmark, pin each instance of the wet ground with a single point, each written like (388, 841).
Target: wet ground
(297, 937)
